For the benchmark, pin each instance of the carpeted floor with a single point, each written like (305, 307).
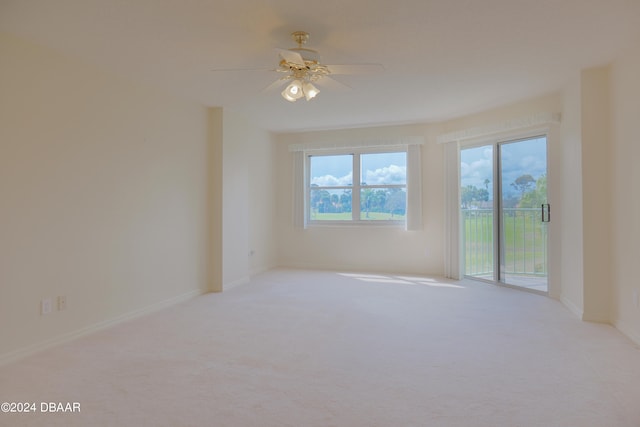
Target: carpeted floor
(309, 348)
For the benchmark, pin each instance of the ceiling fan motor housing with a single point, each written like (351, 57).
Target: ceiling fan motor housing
(310, 68)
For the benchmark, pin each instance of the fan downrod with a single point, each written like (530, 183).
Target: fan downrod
(300, 37)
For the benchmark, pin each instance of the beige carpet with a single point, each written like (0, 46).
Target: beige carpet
(299, 348)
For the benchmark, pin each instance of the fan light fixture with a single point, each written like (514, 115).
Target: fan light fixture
(297, 89)
(310, 91)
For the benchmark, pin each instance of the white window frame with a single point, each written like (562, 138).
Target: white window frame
(355, 188)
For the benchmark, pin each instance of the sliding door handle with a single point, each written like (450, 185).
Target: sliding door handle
(545, 212)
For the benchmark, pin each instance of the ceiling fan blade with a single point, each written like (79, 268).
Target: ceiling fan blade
(229, 70)
(333, 84)
(292, 57)
(274, 84)
(356, 68)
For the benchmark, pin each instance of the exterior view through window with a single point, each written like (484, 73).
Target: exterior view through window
(378, 194)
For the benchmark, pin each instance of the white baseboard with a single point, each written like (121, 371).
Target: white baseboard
(70, 336)
(627, 330)
(571, 306)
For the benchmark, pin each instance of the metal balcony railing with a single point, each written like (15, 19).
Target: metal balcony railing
(524, 239)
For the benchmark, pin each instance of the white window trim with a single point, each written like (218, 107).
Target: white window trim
(331, 146)
(503, 130)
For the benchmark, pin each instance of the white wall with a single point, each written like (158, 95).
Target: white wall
(596, 191)
(570, 210)
(104, 196)
(248, 205)
(235, 202)
(625, 108)
(363, 248)
(589, 187)
(263, 240)
(497, 116)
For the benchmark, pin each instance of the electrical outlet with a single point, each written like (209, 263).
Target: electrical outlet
(62, 303)
(45, 306)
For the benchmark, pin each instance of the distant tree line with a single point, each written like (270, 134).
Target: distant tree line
(532, 193)
(386, 200)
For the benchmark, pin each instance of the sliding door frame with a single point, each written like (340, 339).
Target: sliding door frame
(498, 224)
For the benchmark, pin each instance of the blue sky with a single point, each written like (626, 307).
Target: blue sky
(518, 158)
(378, 168)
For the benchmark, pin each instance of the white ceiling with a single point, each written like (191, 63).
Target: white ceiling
(442, 58)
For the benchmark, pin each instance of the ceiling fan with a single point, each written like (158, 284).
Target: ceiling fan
(303, 68)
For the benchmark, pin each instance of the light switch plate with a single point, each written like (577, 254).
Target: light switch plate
(45, 306)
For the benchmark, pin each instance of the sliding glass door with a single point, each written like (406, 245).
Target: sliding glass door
(523, 213)
(477, 211)
(504, 212)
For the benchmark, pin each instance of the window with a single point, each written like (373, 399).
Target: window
(377, 195)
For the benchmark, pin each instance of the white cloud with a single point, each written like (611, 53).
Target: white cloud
(332, 181)
(476, 166)
(476, 172)
(392, 174)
